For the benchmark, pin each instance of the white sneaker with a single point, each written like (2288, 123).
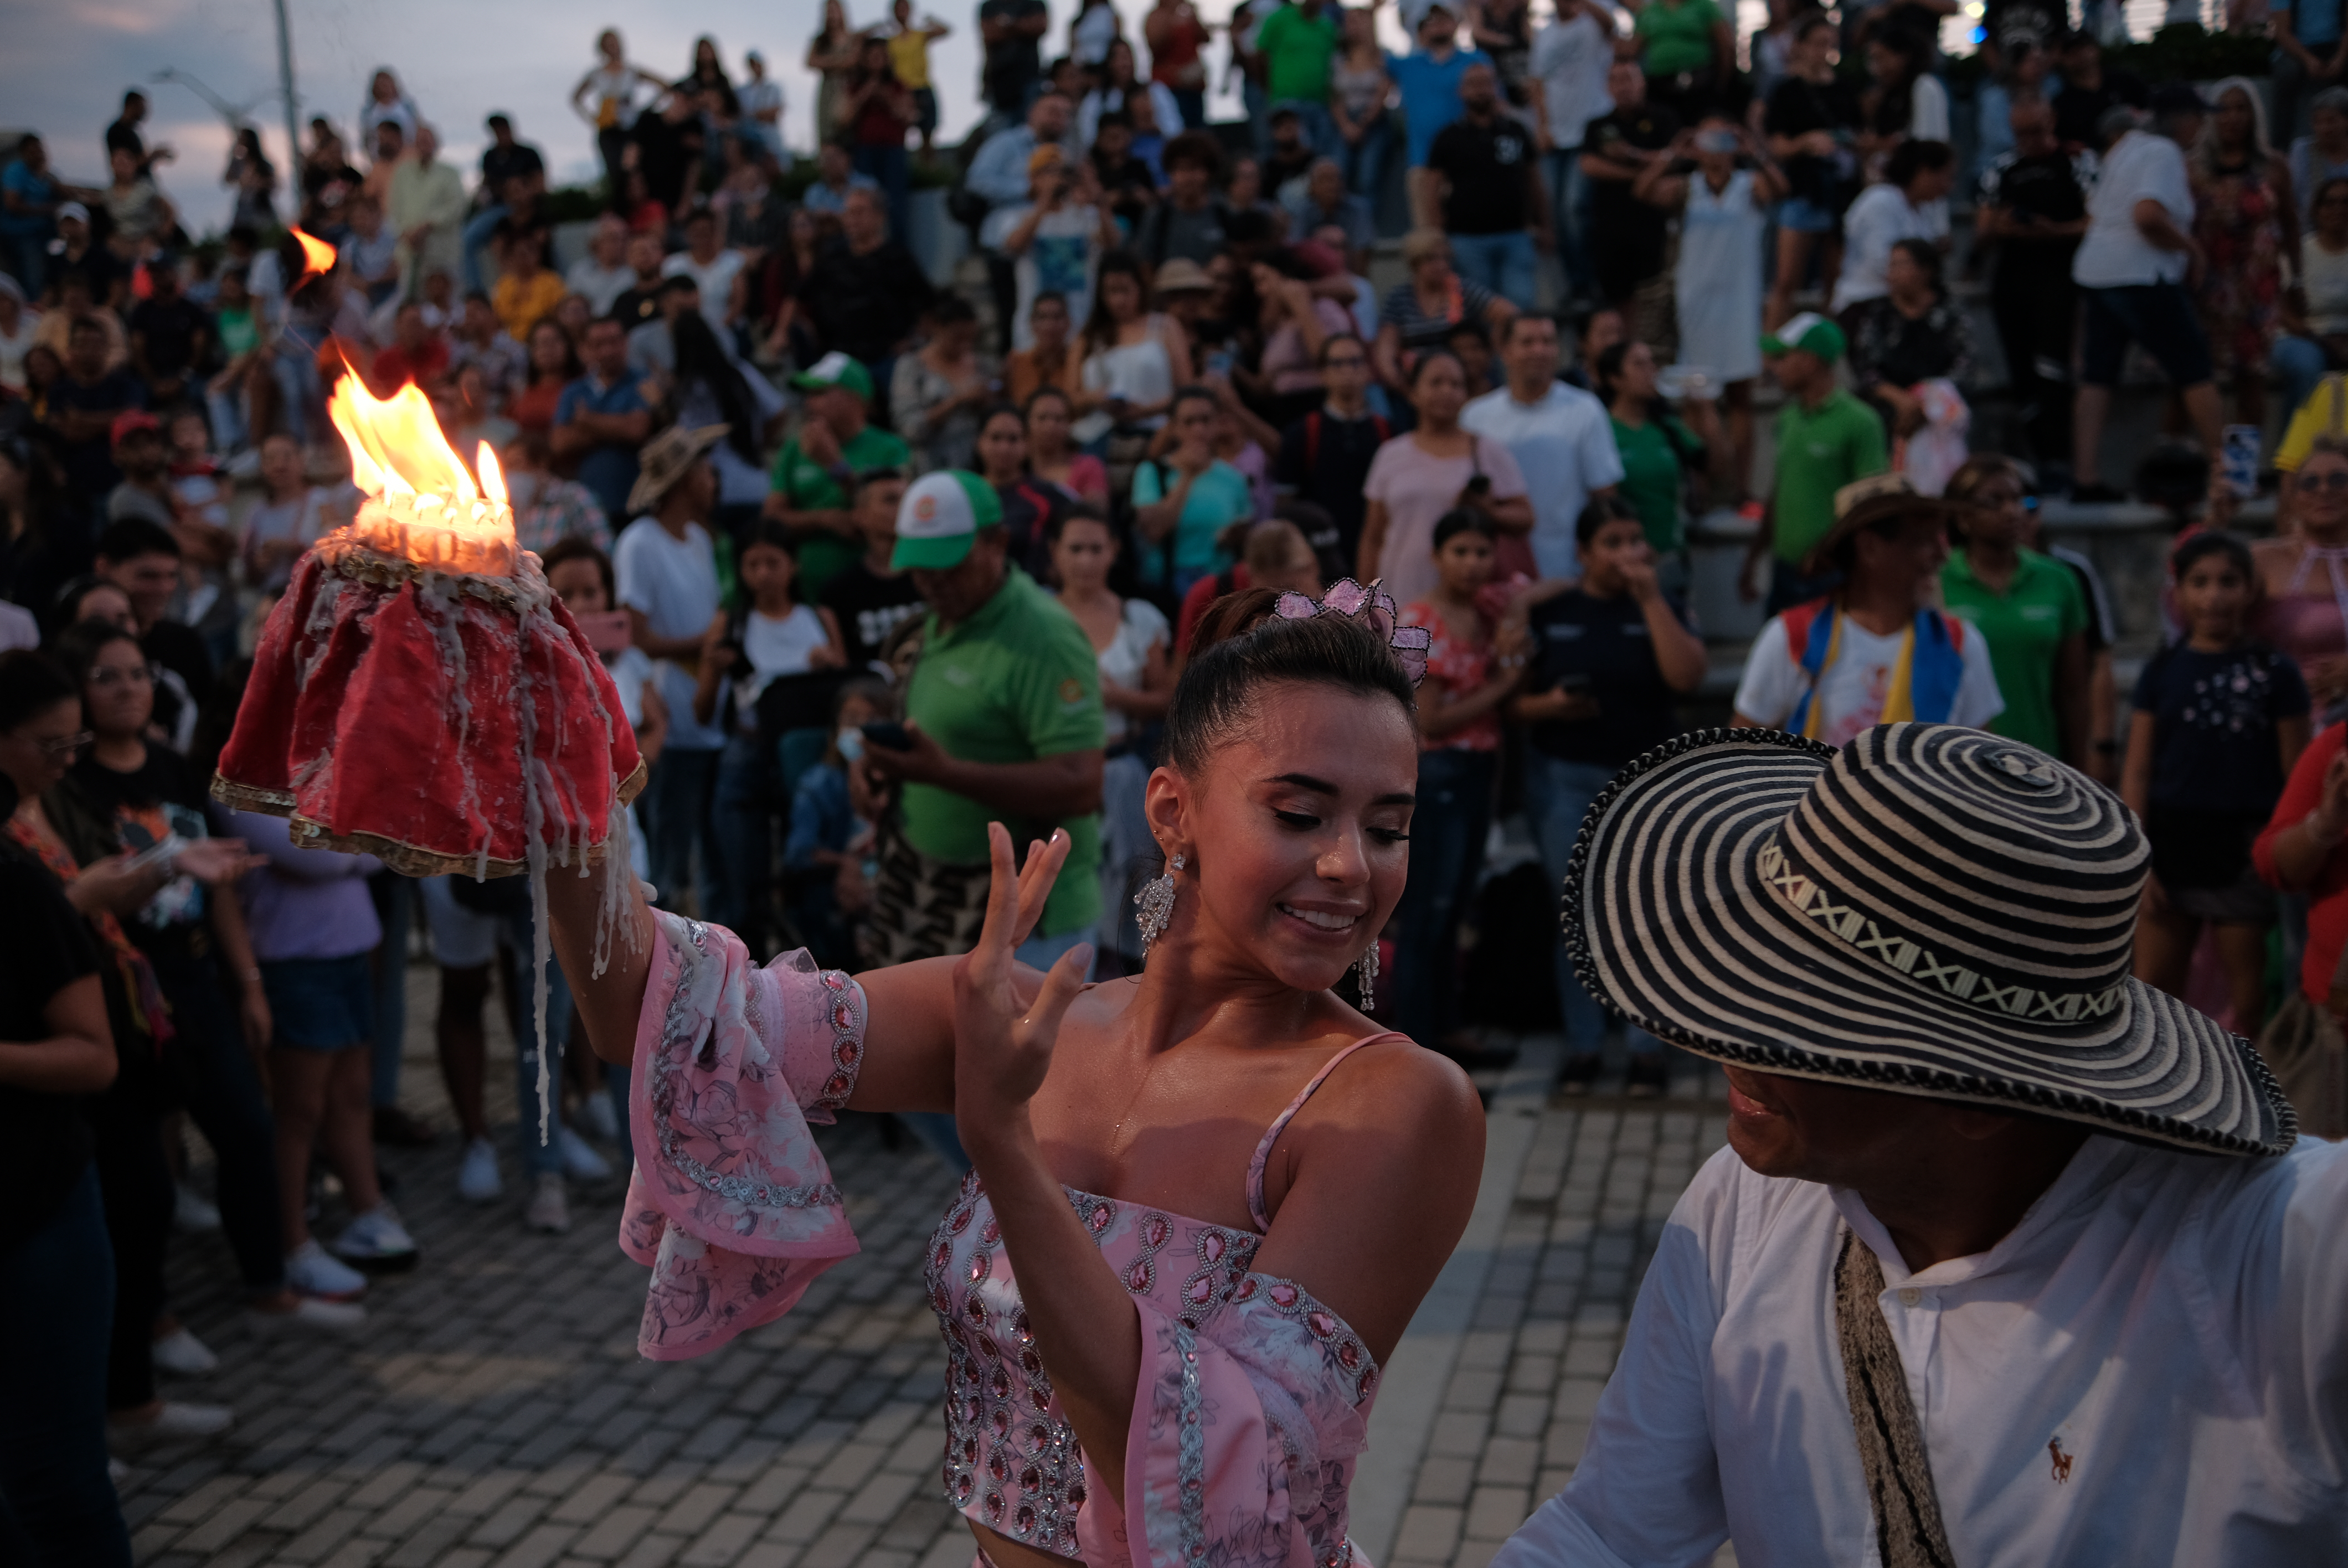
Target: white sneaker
(600, 1117)
(181, 1352)
(175, 1421)
(580, 1162)
(476, 1178)
(376, 1240)
(191, 1212)
(309, 1313)
(315, 1271)
(550, 1207)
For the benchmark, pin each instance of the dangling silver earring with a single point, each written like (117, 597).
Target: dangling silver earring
(1154, 904)
(1366, 970)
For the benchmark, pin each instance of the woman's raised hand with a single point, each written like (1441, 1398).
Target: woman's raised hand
(1005, 1022)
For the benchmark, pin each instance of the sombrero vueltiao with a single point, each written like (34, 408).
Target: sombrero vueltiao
(1931, 910)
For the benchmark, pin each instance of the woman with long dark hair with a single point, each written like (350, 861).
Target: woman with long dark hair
(711, 389)
(553, 366)
(1132, 358)
(1661, 451)
(255, 180)
(1175, 1168)
(875, 111)
(1905, 102)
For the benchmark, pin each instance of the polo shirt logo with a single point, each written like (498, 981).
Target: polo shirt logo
(1072, 691)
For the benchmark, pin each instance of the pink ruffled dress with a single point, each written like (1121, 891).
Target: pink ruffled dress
(1254, 1401)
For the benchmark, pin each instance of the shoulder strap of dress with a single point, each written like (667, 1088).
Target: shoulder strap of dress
(1280, 1124)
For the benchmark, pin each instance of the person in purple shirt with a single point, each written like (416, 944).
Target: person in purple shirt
(313, 930)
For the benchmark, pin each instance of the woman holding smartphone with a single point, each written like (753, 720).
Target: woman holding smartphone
(1610, 657)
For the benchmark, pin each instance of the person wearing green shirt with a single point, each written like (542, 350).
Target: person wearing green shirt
(1826, 439)
(1690, 53)
(815, 472)
(1296, 44)
(1003, 718)
(2029, 607)
(1657, 447)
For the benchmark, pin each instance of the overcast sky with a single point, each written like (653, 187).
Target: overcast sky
(459, 59)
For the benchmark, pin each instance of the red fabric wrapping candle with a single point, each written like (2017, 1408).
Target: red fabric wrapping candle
(442, 720)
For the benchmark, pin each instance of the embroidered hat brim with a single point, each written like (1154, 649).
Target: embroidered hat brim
(1685, 912)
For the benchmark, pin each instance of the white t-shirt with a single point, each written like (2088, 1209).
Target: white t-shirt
(715, 278)
(1878, 219)
(1565, 446)
(1853, 687)
(630, 671)
(2141, 167)
(601, 285)
(674, 582)
(774, 648)
(1570, 60)
(1142, 627)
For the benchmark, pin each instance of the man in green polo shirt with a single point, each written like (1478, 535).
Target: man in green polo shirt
(816, 470)
(1826, 439)
(1297, 42)
(1003, 713)
(2031, 611)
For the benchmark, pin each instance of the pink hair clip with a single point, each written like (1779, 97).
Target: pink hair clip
(1352, 601)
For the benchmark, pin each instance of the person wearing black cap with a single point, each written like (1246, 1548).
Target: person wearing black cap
(2011, 1257)
(2133, 269)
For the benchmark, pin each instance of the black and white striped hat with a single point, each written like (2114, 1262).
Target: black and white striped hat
(1931, 910)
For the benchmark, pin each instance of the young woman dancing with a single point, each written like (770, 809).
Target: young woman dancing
(1206, 1200)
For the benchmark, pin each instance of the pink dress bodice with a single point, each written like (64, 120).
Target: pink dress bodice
(1012, 1462)
(1254, 1398)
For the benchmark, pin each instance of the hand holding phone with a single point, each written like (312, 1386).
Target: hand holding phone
(888, 733)
(606, 631)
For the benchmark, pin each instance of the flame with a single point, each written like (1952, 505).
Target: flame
(317, 256)
(423, 504)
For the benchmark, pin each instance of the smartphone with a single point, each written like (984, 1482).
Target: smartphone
(606, 631)
(888, 733)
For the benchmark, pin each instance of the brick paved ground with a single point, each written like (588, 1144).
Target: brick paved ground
(494, 1411)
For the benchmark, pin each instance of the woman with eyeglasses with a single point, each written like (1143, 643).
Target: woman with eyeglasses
(2304, 611)
(125, 794)
(41, 732)
(2029, 607)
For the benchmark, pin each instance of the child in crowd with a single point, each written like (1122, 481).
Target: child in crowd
(828, 835)
(776, 636)
(2220, 718)
(286, 523)
(869, 599)
(1471, 667)
(581, 576)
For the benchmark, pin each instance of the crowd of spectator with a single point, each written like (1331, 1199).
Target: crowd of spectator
(873, 558)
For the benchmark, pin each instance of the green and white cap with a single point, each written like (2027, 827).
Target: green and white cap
(836, 369)
(1809, 331)
(939, 519)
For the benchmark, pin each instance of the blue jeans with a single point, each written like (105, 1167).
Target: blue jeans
(2300, 364)
(1320, 130)
(677, 815)
(477, 230)
(211, 1074)
(1568, 211)
(57, 1505)
(1505, 263)
(746, 841)
(1446, 852)
(1193, 102)
(886, 165)
(1258, 104)
(1557, 797)
(27, 257)
(394, 907)
(1365, 160)
(226, 411)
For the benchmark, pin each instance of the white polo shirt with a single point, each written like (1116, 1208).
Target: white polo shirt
(1565, 446)
(2149, 1368)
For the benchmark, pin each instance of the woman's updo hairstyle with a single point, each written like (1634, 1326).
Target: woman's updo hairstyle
(32, 683)
(77, 647)
(1241, 647)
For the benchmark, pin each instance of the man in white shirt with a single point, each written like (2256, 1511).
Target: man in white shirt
(1560, 436)
(665, 569)
(1877, 649)
(1911, 204)
(761, 98)
(17, 321)
(1570, 58)
(2010, 1258)
(602, 274)
(2133, 269)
